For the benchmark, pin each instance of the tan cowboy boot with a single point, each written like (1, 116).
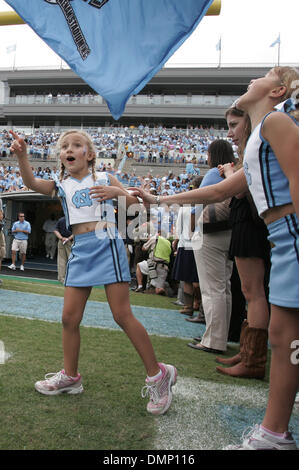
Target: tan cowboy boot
(253, 356)
(231, 361)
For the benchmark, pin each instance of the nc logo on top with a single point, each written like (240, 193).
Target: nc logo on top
(73, 23)
(82, 199)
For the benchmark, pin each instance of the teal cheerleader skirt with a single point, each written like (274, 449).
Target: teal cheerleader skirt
(97, 258)
(284, 275)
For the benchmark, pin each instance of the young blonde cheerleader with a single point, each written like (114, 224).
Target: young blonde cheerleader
(98, 257)
(271, 171)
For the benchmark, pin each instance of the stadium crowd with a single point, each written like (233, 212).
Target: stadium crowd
(175, 144)
(11, 180)
(146, 145)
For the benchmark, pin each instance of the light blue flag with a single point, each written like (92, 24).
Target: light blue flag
(116, 46)
(218, 45)
(277, 41)
(11, 49)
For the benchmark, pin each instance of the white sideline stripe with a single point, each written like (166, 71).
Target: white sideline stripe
(193, 423)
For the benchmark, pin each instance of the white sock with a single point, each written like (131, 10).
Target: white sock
(155, 377)
(71, 377)
(277, 434)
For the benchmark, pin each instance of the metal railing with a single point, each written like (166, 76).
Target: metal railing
(145, 100)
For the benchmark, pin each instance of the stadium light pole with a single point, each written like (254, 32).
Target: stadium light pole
(9, 18)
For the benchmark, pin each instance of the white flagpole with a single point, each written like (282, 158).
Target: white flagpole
(9, 50)
(278, 59)
(278, 41)
(14, 58)
(219, 49)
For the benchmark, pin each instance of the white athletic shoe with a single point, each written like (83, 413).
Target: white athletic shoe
(22, 268)
(160, 391)
(12, 266)
(260, 439)
(54, 384)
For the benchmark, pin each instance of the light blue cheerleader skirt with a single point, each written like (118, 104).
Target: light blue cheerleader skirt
(284, 275)
(96, 259)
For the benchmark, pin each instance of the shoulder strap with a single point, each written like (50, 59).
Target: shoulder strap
(262, 123)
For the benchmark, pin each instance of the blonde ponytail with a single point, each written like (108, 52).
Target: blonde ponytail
(289, 77)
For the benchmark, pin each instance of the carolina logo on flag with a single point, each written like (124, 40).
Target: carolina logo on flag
(115, 46)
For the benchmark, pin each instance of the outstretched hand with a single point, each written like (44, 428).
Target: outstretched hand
(18, 145)
(146, 197)
(226, 170)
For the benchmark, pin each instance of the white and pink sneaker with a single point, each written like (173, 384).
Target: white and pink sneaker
(159, 391)
(259, 438)
(54, 384)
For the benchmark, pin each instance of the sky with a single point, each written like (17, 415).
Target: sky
(247, 29)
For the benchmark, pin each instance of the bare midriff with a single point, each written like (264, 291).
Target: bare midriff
(85, 227)
(275, 213)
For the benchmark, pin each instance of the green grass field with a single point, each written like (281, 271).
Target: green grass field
(111, 414)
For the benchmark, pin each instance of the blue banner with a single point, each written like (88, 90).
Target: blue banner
(116, 46)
